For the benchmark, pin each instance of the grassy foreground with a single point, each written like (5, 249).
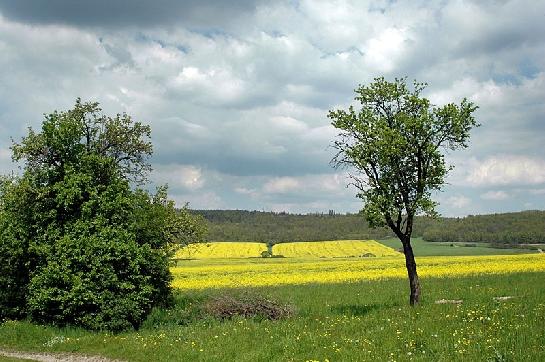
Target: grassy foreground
(364, 321)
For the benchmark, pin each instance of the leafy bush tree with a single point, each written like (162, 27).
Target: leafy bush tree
(79, 244)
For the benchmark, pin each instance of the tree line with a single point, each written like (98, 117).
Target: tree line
(526, 227)
(273, 227)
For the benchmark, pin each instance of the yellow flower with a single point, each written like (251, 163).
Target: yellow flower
(219, 250)
(202, 274)
(333, 249)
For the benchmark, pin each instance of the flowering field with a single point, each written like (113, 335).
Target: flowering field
(221, 250)
(321, 249)
(333, 249)
(202, 274)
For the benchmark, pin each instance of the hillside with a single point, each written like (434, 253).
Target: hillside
(526, 227)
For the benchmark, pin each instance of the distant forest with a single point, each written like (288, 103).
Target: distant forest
(526, 227)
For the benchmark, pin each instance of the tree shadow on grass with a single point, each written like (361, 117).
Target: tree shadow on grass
(359, 309)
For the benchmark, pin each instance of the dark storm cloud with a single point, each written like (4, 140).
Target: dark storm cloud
(121, 13)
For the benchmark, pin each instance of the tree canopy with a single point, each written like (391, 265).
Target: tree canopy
(393, 148)
(68, 138)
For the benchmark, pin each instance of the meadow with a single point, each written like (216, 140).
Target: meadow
(346, 309)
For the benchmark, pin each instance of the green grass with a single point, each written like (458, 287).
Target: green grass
(426, 248)
(366, 321)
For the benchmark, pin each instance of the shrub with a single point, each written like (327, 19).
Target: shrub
(96, 281)
(247, 306)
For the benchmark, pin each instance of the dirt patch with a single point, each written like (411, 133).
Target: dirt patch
(54, 357)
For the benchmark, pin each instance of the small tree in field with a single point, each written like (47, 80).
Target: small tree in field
(394, 143)
(79, 244)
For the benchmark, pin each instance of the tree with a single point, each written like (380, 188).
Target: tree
(80, 244)
(394, 146)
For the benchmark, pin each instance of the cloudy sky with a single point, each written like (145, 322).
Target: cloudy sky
(237, 94)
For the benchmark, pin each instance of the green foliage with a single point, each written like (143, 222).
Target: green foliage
(15, 258)
(98, 281)
(394, 143)
(79, 245)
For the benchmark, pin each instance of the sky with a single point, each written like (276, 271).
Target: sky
(237, 93)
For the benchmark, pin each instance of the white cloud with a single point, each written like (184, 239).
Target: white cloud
(281, 185)
(213, 86)
(323, 135)
(537, 191)
(288, 124)
(5, 154)
(495, 195)
(458, 202)
(326, 184)
(188, 177)
(383, 51)
(493, 96)
(253, 193)
(199, 200)
(507, 170)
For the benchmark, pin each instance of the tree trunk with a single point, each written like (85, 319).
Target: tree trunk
(411, 271)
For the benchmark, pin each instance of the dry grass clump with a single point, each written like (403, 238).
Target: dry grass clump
(247, 305)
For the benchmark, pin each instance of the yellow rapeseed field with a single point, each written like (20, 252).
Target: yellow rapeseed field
(201, 274)
(333, 249)
(221, 250)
